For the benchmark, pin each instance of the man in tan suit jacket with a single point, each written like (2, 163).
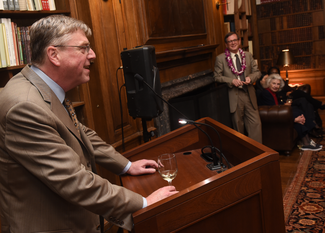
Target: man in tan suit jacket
(242, 97)
(47, 169)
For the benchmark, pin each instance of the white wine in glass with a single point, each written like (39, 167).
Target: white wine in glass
(167, 167)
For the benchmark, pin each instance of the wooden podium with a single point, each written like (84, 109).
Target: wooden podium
(246, 198)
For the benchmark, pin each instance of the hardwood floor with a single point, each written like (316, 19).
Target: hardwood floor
(288, 167)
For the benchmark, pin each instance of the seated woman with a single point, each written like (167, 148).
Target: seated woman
(301, 109)
(288, 92)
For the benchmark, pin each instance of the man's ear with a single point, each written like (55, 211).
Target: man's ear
(53, 55)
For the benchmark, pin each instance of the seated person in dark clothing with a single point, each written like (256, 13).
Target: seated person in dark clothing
(302, 110)
(288, 92)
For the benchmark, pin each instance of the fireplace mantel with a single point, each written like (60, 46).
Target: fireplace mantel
(178, 87)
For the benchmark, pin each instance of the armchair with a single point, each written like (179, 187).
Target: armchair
(278, 132)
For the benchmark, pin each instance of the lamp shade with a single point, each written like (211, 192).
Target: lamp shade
(285, 58)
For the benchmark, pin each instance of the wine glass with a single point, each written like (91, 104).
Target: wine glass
(167, 167)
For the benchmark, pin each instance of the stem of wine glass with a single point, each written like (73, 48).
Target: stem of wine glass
(170, 183)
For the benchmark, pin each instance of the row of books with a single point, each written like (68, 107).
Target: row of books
(14, 44)
(28, 5)
(300, 63)
(295, 35)
(285, 22)
(287, 7)
(258, 2)
(298, 49)
(292, 36)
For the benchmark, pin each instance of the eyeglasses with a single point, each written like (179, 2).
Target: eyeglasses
(85, 47)
(231, 41)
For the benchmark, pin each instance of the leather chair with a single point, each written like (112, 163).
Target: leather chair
(278, 132)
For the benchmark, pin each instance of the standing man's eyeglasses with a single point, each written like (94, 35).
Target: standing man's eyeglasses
(232, 41)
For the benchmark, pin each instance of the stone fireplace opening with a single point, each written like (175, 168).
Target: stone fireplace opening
(195, 96)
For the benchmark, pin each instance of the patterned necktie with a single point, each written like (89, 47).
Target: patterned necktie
(242, 75)
(69, 107)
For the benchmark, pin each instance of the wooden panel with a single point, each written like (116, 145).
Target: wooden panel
(249, 192)
(183, 17)
(183, 47)
(223, 221)
(315, 78)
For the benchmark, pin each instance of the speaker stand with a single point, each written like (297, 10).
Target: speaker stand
(146, 135)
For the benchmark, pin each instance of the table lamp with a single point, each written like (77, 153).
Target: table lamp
(285, 59)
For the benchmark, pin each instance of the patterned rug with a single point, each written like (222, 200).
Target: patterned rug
(304, 201)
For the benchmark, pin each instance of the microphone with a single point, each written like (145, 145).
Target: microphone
(216, 165)
(217, 162)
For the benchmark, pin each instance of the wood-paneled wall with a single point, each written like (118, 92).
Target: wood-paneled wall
(315, 78)
(185, 33)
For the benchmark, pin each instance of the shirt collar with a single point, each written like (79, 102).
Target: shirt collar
(233, 55)
(58, 91)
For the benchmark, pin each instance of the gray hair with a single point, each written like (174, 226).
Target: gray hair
(272, 77)
(52, 30)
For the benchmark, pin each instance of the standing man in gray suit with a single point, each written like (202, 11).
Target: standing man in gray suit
(239, 71)
(48, 180)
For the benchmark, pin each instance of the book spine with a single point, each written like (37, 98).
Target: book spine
(52, 5)
(20, 51)
(22, 5)
(5, 4)
(11, 5)
(30, 5)
(5, 44)
(16, 5)
(2, 47)
(14, 42)
(45, 5)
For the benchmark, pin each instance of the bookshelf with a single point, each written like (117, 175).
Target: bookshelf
(241, 23)
(294, 24)
(26, 18)
(238, 18)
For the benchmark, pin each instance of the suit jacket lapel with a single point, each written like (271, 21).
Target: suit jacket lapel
(50, 98)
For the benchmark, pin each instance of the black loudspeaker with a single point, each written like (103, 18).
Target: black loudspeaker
(142, 101)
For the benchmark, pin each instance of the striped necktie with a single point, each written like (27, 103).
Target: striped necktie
(73, 116)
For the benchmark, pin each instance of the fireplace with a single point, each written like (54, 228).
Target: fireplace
(195, 96)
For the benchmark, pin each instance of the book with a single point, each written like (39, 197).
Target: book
(11, 5)
(250, 47)
(52, 5)
(5, 4)
(22, 5)
(19, 45)
(1, 5)
(3, 27)
(46, 5)
(14, 42)
(226, 27)
(232, 27)
(16, 5)
(7, 22)
(3, 59)
(38, 5)
(30, 5)
(23, 43)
